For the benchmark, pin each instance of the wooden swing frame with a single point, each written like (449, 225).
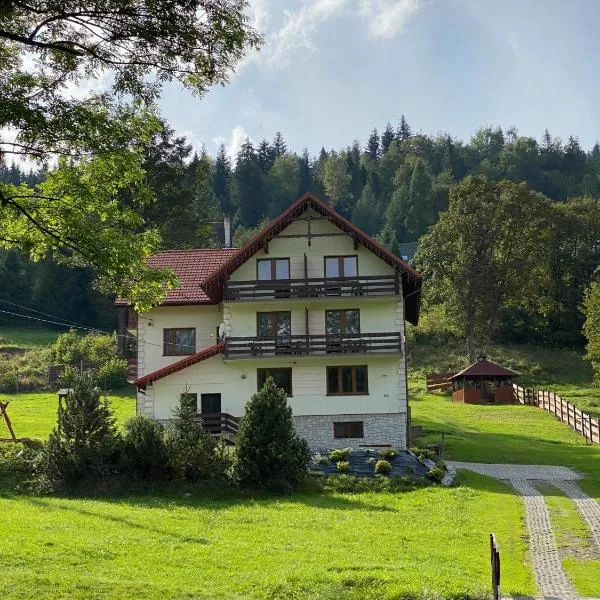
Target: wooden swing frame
(4, 413)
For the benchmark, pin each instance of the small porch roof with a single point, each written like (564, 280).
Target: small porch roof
(482, 368)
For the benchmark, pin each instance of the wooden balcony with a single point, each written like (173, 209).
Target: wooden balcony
(221, 425)
(374, 285)
(313, 345)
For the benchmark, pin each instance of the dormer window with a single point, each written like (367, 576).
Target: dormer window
(269, 269)
(341, 266)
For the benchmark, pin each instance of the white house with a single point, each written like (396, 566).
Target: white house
(311, 301)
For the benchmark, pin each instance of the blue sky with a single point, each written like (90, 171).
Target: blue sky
(331, 70)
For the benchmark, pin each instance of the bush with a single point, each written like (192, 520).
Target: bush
(388, 453)
(340, 454)
(269, 453)
(85, 439)
(438, 472)
(144, 452)
(94, 350)
(321, 459)
(190, 448)
(342, 466)
(383, 467)
(113, 373)
(18, 463)
(424, 453)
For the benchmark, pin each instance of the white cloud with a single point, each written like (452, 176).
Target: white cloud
(232, 147)
(386, 18)
(383, 19)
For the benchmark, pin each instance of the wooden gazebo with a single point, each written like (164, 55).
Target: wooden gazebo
(483, 382)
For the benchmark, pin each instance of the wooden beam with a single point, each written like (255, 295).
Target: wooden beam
(355, 240)
(312, 235)
(266, 246)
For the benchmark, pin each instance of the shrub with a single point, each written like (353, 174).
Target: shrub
(18, 463)
(343, 466)
(113, 373)
(190, 448)
(144, 452)
(340, 454)
(85, 439)
(388, 453)
(269, 453)
(321, 459)
(437, 473)
(383, 467)
(424, 453)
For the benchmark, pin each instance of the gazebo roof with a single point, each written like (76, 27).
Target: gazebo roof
(484, 368)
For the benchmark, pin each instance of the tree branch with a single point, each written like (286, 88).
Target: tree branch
(44, 45)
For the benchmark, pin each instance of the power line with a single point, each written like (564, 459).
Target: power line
(39, 312)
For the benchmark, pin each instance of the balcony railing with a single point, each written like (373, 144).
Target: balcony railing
(373, 285)
(221, 424)
(317, 345)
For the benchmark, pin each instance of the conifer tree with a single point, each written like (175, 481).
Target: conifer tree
(372, 148)
(249, 186)
(266, 156)
(387, 137)
(364, 214)
(304, 173)
(222, 181)
(279, 147)
(403, 132)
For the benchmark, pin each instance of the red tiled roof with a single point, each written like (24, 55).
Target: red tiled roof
(192, 267)
(411, 279)
(484, 368)
(188, 361)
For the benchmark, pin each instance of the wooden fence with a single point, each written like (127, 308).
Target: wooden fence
(438, 382)
(495, 564)
(563, 410)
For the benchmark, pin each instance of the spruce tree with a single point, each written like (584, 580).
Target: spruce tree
(222, 181)
(248, 181)
(304, 173)
(85, 438)
(364, 214)
(269, 452)
(279, 146)
(387, 137)
(265, 155)
(372, 148)
(403, 132)
(420, 211)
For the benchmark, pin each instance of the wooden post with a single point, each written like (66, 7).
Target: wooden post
(4, 413)
(495, 565)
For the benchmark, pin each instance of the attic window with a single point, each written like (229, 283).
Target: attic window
(268, 269)
(341, 266)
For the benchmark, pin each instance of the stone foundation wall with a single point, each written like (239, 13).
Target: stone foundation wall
(378, 429)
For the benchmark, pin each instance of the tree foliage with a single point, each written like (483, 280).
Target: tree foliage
(591, 326)
(269, 453)
(489, 250)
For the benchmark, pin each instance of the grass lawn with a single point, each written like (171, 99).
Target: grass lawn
(502, 434)
(33, 414)
(309, 545)
(25, 337)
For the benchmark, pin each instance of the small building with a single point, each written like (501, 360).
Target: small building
(483, 382)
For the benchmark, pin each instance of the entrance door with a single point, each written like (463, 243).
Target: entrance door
(210, 403)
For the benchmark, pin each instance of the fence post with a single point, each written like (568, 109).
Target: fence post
(495, 564)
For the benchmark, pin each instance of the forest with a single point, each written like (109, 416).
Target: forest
(395, 187)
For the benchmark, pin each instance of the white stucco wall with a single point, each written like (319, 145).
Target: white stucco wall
(236, 381)
(205, 318)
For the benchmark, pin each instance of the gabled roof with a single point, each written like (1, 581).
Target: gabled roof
(484, 368)
(188, 361)
(411, 279)
(192, 267)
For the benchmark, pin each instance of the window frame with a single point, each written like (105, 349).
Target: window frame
(339, 379)
(340, 259)
(345, 424)
(342, 320)
(273, 314)
(268, 372)
(273, 262)
(173, 344)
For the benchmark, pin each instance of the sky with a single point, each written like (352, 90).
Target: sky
(331, 70)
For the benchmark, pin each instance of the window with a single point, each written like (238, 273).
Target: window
(274, 324)
(340, 322)
(189, 399)
(179, 341)
(341, 266)
(281, 377)
(348, 429)
(347, 380)
(268, 269)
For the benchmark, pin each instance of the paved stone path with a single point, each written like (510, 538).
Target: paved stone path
(552, 580)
